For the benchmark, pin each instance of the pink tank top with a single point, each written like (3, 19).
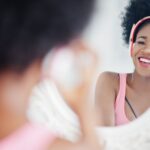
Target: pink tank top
(120, 116)
(28, 137)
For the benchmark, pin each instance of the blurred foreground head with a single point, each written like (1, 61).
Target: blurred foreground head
(30, 29)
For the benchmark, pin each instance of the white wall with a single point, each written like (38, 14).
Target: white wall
(105, 35)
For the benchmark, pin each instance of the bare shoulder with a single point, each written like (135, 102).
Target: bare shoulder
(105, 95)
(108, 79)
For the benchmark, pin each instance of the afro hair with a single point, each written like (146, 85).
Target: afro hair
(135, 11)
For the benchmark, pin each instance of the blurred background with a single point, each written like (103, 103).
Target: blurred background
(103, 49)
(105, 35)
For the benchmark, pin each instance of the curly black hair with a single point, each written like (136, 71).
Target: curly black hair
(135, 11)
(29, 29)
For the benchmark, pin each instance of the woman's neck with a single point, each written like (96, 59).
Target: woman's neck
(10, 122)
(138, 82)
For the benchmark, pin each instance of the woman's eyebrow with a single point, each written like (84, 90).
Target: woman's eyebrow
(142, 37)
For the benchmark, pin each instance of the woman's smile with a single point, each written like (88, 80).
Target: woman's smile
(144, 62)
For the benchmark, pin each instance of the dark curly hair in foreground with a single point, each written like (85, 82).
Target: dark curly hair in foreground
(136, 10)
(30, 28)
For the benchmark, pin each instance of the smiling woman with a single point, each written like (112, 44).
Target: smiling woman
(141, 50)
(126, 96)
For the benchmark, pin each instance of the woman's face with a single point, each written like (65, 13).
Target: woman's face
(141, 52)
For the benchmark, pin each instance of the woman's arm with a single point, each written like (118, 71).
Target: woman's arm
(82, 107)
(88, 139)
(105, 98)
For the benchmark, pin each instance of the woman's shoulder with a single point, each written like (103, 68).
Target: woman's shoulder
(109, 74)
(110, 81)
(108, 78)
(105, 95)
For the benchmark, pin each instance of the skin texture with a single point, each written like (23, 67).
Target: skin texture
(15, 90)
(138, 83)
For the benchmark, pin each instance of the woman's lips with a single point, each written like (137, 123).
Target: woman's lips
(144, 61)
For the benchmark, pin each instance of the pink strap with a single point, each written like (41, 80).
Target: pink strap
(120, 116)
(29, 137)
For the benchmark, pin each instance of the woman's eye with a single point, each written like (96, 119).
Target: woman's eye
(140, 42)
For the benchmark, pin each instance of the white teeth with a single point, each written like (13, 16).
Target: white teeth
(144, 60)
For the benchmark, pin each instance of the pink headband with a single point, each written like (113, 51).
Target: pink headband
(135, 26)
